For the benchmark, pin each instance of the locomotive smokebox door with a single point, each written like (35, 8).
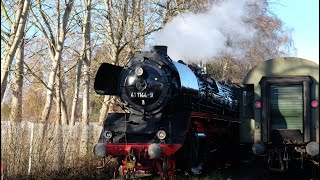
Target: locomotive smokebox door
(107, 79)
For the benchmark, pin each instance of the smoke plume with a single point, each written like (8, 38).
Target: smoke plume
(201, 36)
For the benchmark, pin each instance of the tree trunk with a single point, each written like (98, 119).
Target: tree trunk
(87, 63)
(61, 102)
(12, 45)
(76, 94)
(50, 91)
(141, 24)
(224, 67)
(86, 105)
(64, 112)
(86, 55)
(16, 109)
(58, 98)
(104, 109)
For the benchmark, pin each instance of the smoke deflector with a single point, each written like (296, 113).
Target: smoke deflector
(107, 79)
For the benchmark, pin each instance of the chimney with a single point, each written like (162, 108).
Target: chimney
(162, 49)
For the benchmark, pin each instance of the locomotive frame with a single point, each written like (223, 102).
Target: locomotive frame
(206, 131)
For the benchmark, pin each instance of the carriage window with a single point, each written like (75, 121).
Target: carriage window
(286, 106)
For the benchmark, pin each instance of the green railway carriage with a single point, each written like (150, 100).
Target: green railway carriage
(280, 112)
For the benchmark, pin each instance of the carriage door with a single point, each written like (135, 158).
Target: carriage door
(286, 111)
(285, 114)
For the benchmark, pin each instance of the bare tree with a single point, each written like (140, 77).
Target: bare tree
(86, 59)
(55, 44)
(15, 36)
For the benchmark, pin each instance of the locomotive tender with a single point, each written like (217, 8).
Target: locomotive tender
(176, 116)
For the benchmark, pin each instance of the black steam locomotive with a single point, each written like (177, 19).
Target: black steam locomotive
(175, 115)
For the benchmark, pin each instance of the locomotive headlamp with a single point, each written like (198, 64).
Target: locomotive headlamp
(161, 134)
(139, 71)
(314, 103)
(108, 134)
(312, 148)
(257, 104)
(100, 150)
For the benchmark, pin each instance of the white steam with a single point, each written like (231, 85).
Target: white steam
(201, 36)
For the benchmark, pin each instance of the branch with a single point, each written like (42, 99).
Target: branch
(149, 32)
(36, 76)
(46, 22)
(67, 14)
(5, 33)
(18, 15)
(39, 26)
(36, 53)
(4, 39)
(3, 9)
(70, 68)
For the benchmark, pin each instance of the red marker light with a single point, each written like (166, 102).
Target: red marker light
(257, 104)
(314, 103)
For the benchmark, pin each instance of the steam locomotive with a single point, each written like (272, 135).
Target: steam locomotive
(175, 116)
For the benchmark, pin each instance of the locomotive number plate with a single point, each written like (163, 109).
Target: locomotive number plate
(141, 95)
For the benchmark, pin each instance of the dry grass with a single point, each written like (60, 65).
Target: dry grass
(85, 169)
(59, 152)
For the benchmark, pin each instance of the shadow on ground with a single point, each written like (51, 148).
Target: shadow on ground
(247, 170)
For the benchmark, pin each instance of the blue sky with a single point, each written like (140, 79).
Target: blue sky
(303, 17)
